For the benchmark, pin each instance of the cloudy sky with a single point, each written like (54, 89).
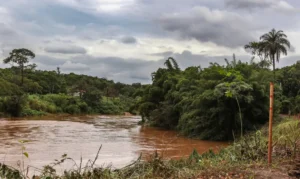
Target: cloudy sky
(126, 40)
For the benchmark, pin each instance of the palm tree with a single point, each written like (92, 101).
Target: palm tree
(175, 64)
(172, 64)
(169, 65)
(273, 44)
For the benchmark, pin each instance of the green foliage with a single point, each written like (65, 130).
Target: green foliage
(39, 92)
(213, 103)
(31, 112)
(13, 105)
(92, 97)
(45, 92)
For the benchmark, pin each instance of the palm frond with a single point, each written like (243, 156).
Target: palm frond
(175, 64)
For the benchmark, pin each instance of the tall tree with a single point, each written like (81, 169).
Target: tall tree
(20, 57)
(273, 44)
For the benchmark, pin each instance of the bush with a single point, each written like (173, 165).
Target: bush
(84, 108)
(108, 107)
(13, 105)
(72, 109)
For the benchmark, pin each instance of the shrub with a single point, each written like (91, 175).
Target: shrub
(72, 109)
(13, 105)
(84, 108)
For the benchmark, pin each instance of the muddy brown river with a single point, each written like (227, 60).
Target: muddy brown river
(122, 140)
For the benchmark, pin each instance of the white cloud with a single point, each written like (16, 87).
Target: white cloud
(106, 6)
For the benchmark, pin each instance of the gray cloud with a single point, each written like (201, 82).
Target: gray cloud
(6, 31)
(249, 4)
(292, 49)
(119, 69)
(128, 40)
(276, 5)
(64, 41)
(47, 60)
(117, 63)
(10, 38)
(66, 49)
(46, 41)
(286, 61)
(220, 27)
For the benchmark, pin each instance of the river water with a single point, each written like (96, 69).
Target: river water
(122, 140)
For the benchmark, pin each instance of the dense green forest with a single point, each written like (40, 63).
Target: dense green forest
(26, 91)
(221, 101)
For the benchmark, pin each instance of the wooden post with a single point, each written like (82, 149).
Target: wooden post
(270, 123)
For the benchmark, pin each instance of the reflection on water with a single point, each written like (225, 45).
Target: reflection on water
(121, 138)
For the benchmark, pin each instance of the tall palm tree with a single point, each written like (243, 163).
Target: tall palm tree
(273, 44)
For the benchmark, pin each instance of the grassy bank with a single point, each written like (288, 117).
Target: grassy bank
(245, 158)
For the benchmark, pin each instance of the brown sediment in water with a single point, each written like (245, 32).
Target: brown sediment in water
(121, 138)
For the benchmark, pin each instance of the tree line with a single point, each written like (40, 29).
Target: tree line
(220, 102)
(26, 91)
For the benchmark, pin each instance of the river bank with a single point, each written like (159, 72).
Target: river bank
(245, 158)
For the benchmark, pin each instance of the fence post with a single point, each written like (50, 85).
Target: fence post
(270, 122)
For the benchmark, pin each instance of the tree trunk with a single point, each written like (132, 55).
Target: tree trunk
(273, 60)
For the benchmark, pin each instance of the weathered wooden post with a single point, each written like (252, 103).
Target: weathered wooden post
(270, 123)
